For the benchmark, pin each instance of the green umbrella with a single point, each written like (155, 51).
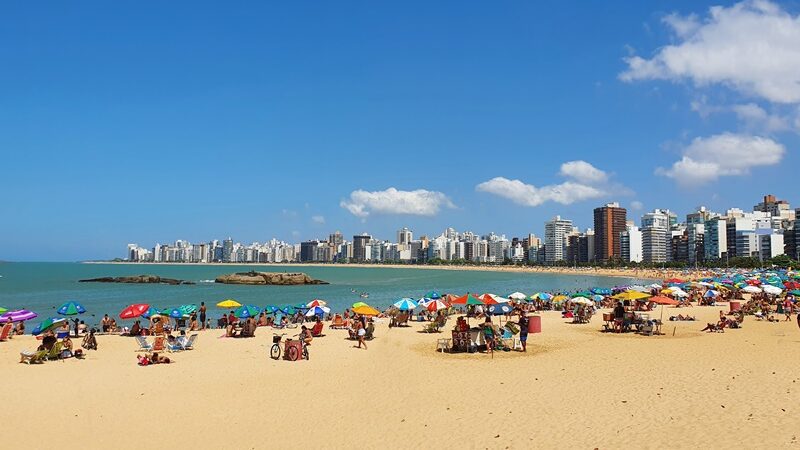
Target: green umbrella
(71, 309)
(794, 292)
(359, 304)
(243, 312)
(2, 310)
(188, 309)
(49, 324)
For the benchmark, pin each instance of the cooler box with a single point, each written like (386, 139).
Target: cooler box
(735, 306)
(535, 324)
(295, 344)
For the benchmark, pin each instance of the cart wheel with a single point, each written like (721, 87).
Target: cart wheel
(275, 351)
(292, 354)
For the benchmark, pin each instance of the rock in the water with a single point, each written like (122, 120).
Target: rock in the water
(268, 278)
(146, 279)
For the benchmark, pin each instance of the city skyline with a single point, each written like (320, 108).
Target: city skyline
(766, 231)
(288, 120)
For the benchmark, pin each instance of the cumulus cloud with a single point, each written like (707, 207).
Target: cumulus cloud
(636, 205)
(392, 201)
(318, 219)
(583, 171)
(586, 182)
(751, 47)
(757, 118)
(707, 159)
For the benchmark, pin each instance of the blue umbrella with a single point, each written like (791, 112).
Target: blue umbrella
(71, 308)
(318, 311)
(243, 312)
(433, 295)
(176, 313)
(48, 324)
(405, 304)
(500, 308)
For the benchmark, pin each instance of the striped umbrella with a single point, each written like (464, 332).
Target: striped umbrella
(318, 311)
(18, 315)
(48, 324)
(316, 302)
(405, 304)
(436, 305)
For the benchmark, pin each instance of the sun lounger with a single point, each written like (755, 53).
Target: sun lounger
(337, 322)
(143, 345)
(159, 344)
(317, 330)
(188, 344)
(33, 357)
(55, 351)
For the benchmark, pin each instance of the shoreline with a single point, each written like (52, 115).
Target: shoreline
(646, 274)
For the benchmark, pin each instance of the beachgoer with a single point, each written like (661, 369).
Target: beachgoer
(305, 335)
(203, 314)
(523, 330)
(19, 330)
(361, 332)
(105, 323)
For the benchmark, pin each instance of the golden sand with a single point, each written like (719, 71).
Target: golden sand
(576, 388)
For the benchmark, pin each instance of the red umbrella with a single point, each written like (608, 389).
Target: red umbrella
(133, 311)
(488, 299)
(661, 300)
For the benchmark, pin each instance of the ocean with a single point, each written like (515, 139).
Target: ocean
(42, 287)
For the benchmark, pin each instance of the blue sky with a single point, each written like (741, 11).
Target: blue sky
(194, 120)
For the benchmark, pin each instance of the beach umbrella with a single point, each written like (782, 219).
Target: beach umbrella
(272, 309)
(630, 295)
(545, 296)
(433, 295)
(581, 301)
(560, 298)
(500, 308)
(467, 299)
(499, 299)
(602, 291)
(318, 311)
(152, 312)
(711, 293)
(71, 309)
(366, 310)
(359, 304)
(661, 300)
(673, 281)
(290, 310)
(134, 311)
(188, 309)
(228, 304)
(517, 296)
(795, 292)
(19, 315)
(316, 302)
(751, 289)
(640, 288)
(679, 293)
(49, 324)
(175, 313)
(436, 305)
(405, 304)
(489, 299)
(2, 310)
(246, 311)
(598, 298)
(772, 290)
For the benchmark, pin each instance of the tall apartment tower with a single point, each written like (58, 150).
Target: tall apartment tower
(609, 221)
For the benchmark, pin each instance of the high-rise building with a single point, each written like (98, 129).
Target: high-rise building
(630, 242)
(555, 238)
(308, 251)
(227, 250)
(716, 239)
(404, 236)
(609, 222)
(360, 243)
(655, 244)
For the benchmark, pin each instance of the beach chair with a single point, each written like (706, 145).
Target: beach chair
(337, 322)
(317, 330)
(370, 332)
(6, 331)
(158, 344)
(55, 351)
(32, 357)
(143, 345)
(188, 344)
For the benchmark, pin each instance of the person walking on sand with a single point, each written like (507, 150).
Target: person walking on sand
(523, 330)
(361, 332)
(203, 315)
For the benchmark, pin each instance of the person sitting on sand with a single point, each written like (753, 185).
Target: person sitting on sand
(19, 330)
(305, 335)
(89, 341)
(155, 358)
(710, 327)
(262, 320)
(136, 329)
(193, 325)
(82, 328)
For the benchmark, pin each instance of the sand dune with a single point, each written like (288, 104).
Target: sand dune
(577, 388)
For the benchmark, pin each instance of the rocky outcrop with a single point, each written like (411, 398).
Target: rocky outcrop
(268, 278)
(143, 279)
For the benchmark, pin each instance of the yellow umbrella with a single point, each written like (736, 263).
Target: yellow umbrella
(559, 298)
(631, 295)
(666, 291)
(366, 310)
(228, 304)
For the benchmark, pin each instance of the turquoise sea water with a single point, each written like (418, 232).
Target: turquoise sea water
(42, 287)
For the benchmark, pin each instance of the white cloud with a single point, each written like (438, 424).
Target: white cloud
(318, 219)
(391, 201)
(585, 182)
(583, 171)
(752, 47)
(707, 159)
(756, 118)
(636, 205)
(529, 195)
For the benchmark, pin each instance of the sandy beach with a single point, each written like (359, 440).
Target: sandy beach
(649, 274)
(576, 388)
